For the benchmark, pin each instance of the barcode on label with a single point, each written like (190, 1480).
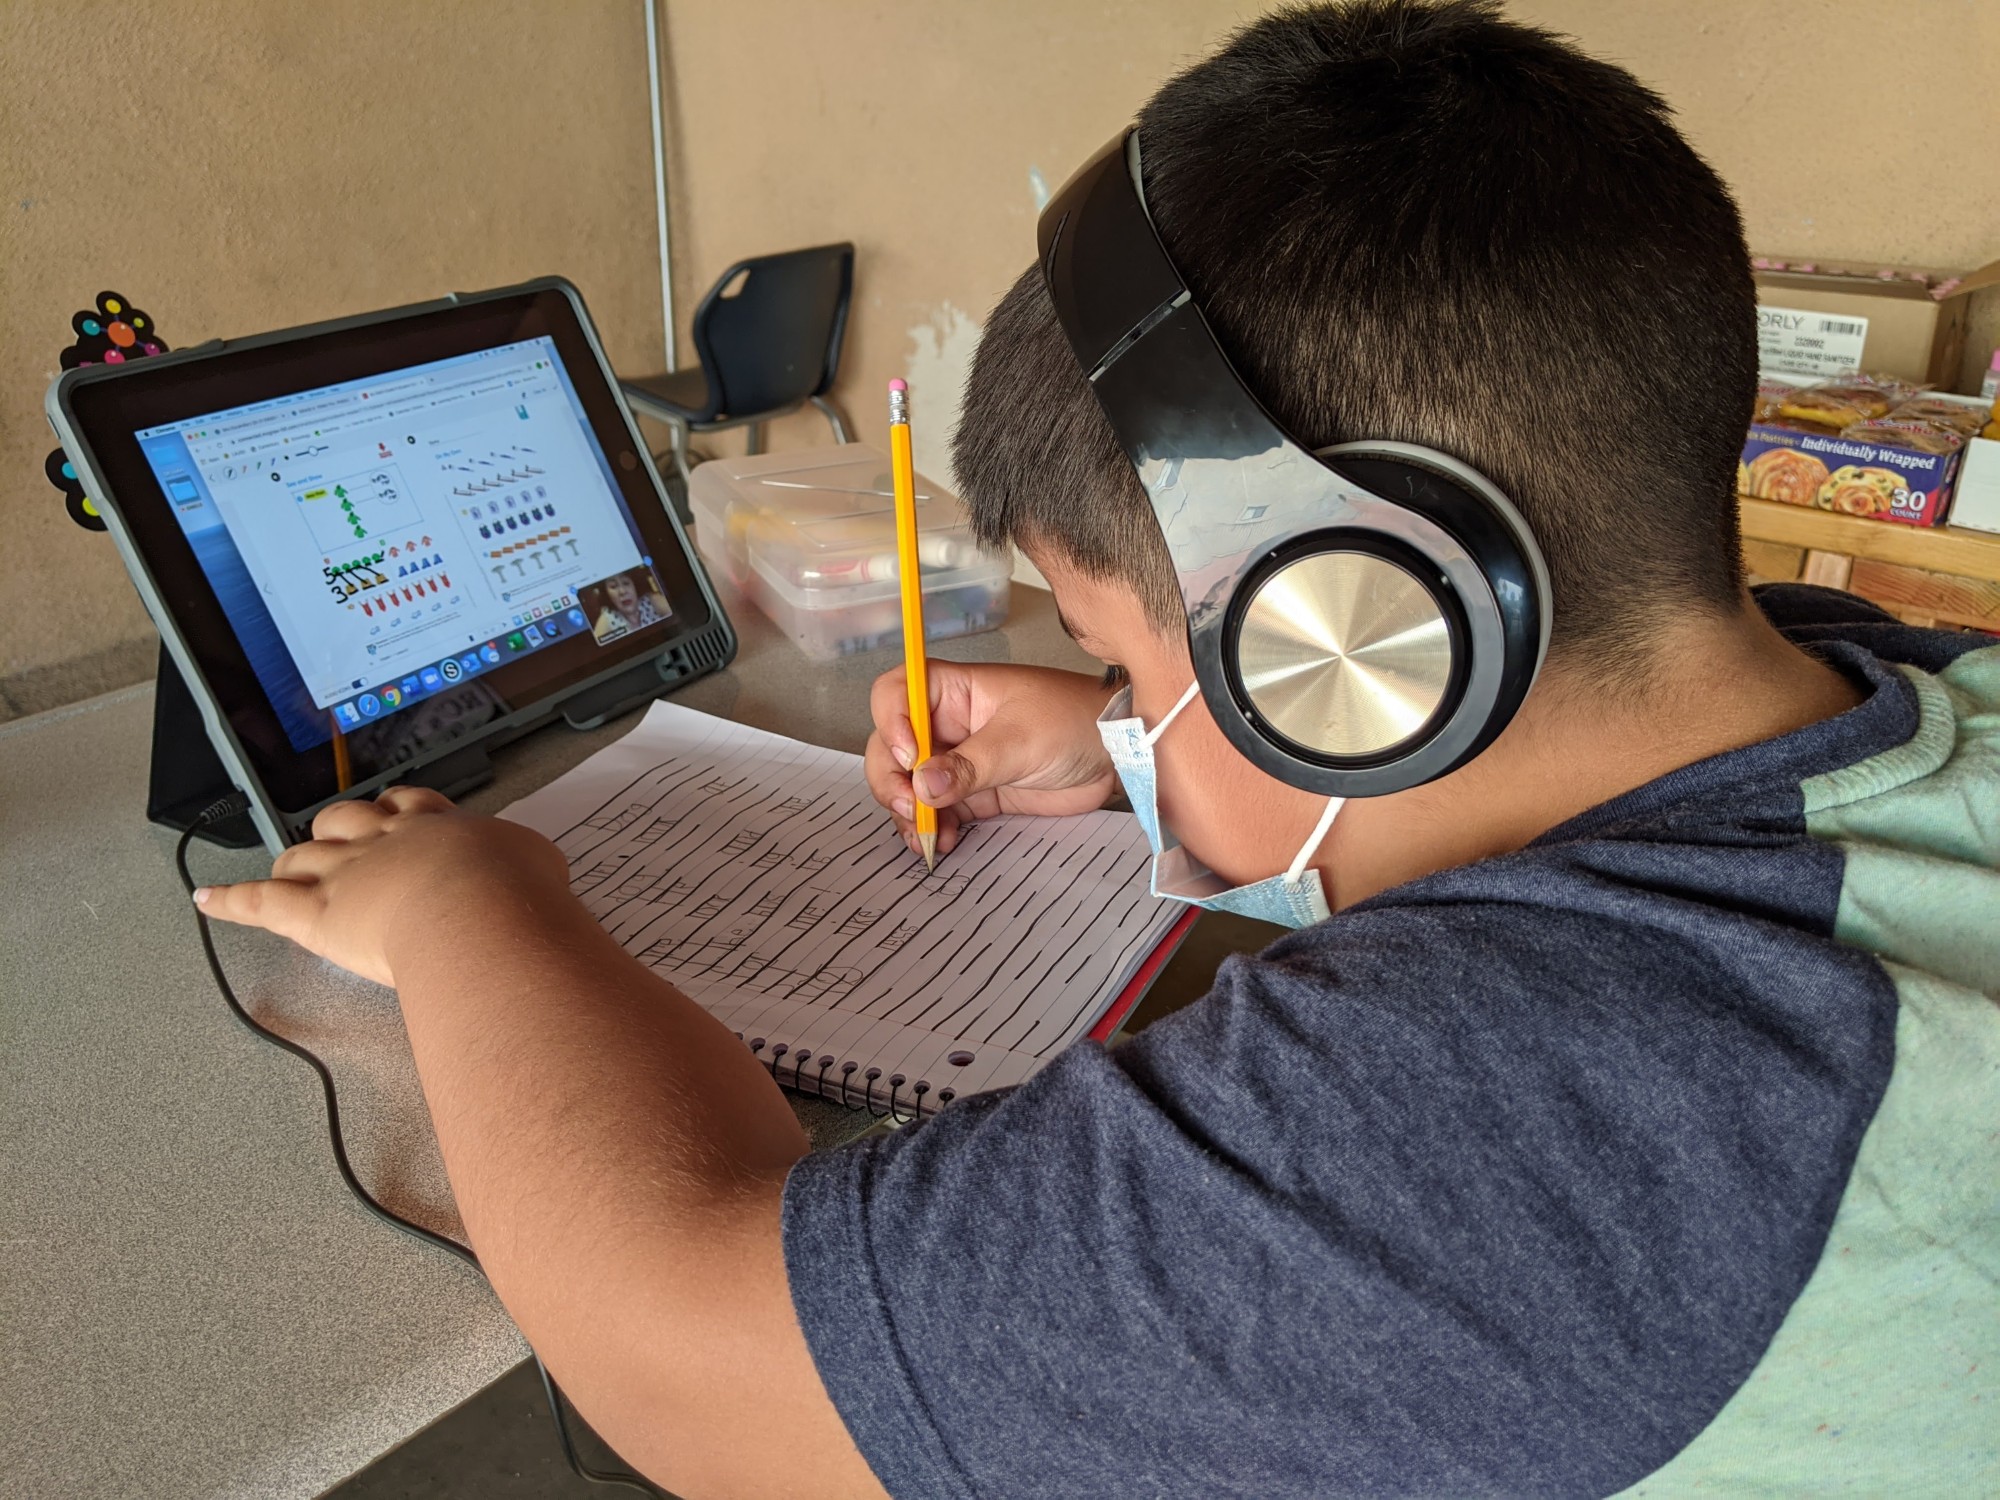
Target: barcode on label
(1841, 325)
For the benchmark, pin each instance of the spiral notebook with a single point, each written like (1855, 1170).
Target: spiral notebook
(757, 875)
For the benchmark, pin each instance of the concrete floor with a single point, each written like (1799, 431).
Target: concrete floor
(500, 1445)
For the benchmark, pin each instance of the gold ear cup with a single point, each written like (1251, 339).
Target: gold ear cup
(1345, 653)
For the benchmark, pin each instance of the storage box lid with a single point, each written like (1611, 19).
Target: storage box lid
(1890, 320)
(1895, 282)
(824, 519)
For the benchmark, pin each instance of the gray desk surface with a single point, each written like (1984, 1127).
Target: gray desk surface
(190, 1303)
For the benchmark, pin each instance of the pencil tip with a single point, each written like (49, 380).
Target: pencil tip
(929, 841)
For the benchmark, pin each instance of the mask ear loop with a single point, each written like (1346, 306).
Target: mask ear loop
(1151, 737)
(1297, 872)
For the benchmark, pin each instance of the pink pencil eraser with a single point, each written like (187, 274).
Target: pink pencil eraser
(899, 385)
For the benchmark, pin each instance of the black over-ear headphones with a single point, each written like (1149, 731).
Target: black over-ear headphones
(1362, 620)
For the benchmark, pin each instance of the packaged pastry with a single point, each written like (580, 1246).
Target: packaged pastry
(1855, 490)
(1893, 388)
(1862, 446)
(1785, 475)
(1796, 424)
(1839, 406)
(1771, 395)
(1953, 416)
(1907, 433)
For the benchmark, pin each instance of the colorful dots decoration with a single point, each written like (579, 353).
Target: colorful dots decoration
(62, 474)
(112, 324)
(105, 333)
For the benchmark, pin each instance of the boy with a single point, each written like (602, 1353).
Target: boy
(1628, 1125)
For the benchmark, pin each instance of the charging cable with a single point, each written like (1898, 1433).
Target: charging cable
(228, 807)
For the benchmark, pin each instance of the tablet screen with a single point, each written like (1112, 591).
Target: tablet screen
(379, 541)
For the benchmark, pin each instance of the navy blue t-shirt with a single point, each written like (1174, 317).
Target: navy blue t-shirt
(1545, 1175)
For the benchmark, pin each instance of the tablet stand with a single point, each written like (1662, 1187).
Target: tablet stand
(187, 774)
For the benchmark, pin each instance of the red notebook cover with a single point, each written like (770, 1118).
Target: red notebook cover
(1141, 981)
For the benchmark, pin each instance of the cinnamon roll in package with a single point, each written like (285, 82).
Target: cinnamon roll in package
(1862, 446)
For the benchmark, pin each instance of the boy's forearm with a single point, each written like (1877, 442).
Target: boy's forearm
(617, 1155)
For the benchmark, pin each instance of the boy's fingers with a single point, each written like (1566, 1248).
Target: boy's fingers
(948, 830)
(414, 799)
(946, 778)
(358, 818)
(886, 784)
(889, 707)
(281, 906)
(994, 757)
(309, 862)
(347, 820)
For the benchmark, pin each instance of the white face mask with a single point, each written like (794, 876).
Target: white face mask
(1294, 899)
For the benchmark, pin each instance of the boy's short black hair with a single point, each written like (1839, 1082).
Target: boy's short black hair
(1423, 222)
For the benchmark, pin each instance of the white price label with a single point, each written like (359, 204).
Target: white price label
(1818, 346)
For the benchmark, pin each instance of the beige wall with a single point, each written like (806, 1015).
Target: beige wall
(270, 161)
(913, 128)
(1851, 131)
(239, 165)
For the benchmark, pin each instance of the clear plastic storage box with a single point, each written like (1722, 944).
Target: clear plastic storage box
(810, 537)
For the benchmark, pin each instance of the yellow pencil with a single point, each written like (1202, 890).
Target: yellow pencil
(343, 768)
(908, 572)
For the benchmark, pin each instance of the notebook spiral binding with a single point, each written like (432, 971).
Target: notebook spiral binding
(804, 1073)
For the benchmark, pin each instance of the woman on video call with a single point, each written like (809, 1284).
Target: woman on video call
(628, 606)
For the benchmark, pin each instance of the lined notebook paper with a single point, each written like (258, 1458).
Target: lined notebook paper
(758, 876)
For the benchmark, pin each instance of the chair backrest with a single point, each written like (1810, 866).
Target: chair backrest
(768, 333)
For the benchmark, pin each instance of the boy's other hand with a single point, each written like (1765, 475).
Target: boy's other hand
(1003, 739)
(373, 870)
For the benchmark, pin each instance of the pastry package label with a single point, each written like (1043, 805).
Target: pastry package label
(1812, 345)
(1847, 475)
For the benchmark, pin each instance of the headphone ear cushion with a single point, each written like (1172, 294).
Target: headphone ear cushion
(1472, 508)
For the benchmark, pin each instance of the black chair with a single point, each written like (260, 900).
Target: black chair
(767, 336)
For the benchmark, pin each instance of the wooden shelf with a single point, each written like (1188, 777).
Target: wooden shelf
(1928, 575)
(1942, 549)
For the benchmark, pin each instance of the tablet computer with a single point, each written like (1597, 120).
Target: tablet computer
(374, 544)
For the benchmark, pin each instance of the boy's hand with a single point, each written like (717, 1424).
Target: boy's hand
(1003, 739)
(374, 870)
